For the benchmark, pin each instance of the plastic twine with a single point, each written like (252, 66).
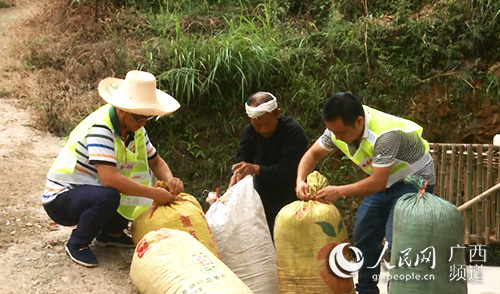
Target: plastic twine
(422, 191)
(155, 206)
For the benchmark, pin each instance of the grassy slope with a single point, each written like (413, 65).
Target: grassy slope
(432, 61)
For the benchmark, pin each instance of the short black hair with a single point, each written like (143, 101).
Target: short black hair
(259, 98)
(344, 105)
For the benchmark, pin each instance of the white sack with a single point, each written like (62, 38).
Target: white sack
(240, 230)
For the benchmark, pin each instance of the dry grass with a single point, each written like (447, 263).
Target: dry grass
(6, 4)
(65, 55)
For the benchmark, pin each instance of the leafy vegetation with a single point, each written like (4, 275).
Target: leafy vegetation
(435, 62)
(213, 54)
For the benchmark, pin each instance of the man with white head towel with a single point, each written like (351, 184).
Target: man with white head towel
(270, 148)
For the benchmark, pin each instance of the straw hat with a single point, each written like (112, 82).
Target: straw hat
(137, 94)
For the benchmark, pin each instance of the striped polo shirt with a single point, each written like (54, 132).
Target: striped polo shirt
(96, 147)
(390, 147)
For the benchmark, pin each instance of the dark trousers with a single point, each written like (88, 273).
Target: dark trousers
(91, 208)
(373, 222)
(272, 206)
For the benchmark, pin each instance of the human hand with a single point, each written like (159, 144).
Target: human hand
(232, 181)
(175, 186)
(329, 193)
(242, 169)
(302, 191)
(161, 196)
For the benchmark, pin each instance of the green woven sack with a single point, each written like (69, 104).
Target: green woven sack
(430, 227)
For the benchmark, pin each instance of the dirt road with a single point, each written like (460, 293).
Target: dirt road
(32, 256)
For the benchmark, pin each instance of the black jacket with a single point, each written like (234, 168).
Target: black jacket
(278, 158)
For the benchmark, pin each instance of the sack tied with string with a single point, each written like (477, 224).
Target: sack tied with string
(184, 213)
(428, 232)
(305, 232)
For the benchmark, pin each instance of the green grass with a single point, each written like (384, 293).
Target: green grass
(398, 56)
(213, 55)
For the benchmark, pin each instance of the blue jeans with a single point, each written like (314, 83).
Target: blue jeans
(91, 208)
(373, 222)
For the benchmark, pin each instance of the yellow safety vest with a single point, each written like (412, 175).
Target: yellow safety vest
(133, 165)
(378, 124)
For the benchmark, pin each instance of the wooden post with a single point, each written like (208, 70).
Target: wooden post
(442, 184)
(460, 188)
(468, 193)
(479, 185)
(459, 179)
(453, 175)
(479, 197)
(497, 228)
(435, 154)
(487, 201)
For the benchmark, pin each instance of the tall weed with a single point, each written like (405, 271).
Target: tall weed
(404, 57)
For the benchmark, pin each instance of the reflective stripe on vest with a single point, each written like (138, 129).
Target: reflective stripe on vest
(378, 124)
(132, 164)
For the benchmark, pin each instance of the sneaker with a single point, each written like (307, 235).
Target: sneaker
(81, 254)
(123, 241)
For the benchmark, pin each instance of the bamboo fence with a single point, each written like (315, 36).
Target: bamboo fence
(464, 171)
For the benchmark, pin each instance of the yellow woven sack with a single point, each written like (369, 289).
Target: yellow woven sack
(171, 261)
(305, 233)
(184, 213)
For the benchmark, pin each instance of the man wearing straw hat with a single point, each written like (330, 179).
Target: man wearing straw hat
(387, 148)
(270, 148)
(101, 178)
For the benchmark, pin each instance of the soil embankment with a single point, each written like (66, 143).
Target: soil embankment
(32, 256)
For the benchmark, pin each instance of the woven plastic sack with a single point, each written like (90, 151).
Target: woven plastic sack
(429, 226)
(242, 236)
(305, 233)
(172, 261)
(184, 214)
